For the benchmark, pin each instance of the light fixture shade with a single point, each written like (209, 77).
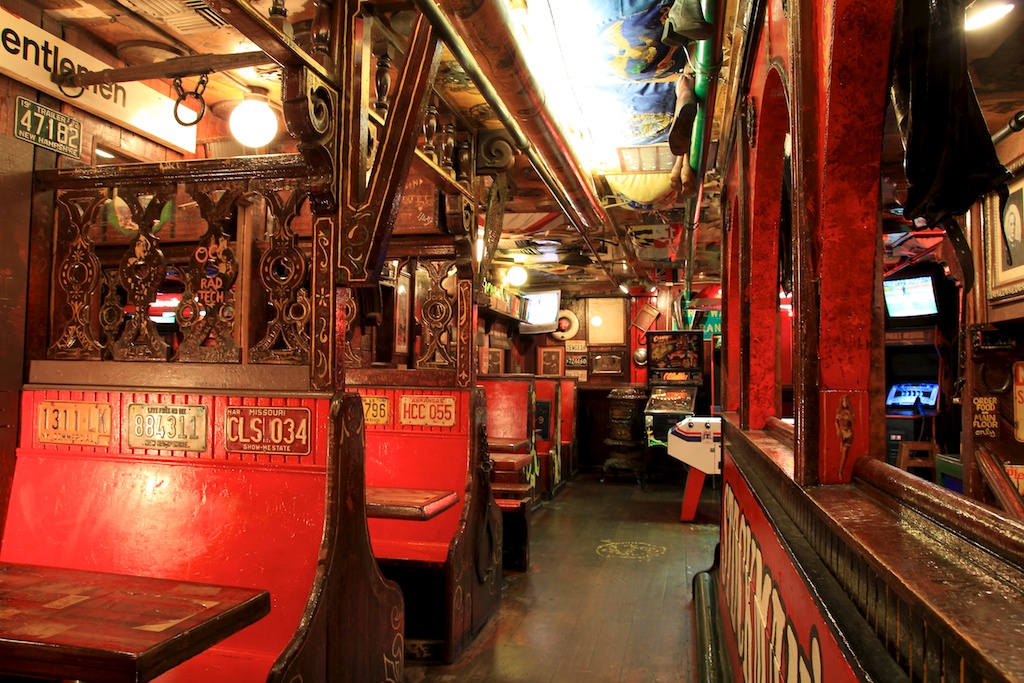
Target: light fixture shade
(253, 123)
(980, 14)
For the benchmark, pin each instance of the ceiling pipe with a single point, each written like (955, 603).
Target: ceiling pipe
(517, 100)
(709, 60)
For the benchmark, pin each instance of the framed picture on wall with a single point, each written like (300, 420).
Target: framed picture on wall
(606, 364)
(1004, 239)
(492, 361)
(606, 321)
(550, 360)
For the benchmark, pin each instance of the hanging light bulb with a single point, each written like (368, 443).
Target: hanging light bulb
(253, 123)
(516, 276)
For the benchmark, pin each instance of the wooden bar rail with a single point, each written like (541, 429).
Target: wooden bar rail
(111, 628)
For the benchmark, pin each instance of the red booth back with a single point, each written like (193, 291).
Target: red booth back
(508, 407)
(420, 440)
(213, 516)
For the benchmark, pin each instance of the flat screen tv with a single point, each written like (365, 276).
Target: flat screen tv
(541, 312)
(910, 297)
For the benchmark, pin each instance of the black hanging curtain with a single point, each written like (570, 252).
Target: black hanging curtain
(950, 159)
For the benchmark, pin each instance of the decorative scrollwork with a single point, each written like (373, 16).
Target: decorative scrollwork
(351, 309)
(207, 313)
(78, 275)
(495, 152)
(284, 274)
(437, 312)
(142, 270)
(310, 112)
(324, 292)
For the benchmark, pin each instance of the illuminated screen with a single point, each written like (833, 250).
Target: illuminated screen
(543, 307)
(910, 297)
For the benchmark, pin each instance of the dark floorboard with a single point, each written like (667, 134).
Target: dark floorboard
(608, 595)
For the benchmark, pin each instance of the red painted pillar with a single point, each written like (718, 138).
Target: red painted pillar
(847, 229)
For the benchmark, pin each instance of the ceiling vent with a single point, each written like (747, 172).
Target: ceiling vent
(187, 17)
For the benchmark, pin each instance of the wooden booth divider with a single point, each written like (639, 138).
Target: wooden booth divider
(260, 492)
(434, 526)
(548, 436)
(567, 431)
(511, 441)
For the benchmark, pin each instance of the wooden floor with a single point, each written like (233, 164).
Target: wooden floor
(608, 596)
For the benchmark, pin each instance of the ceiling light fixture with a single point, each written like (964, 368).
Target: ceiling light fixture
(253, 123)
(983, 12)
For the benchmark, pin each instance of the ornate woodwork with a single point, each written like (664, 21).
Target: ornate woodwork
(245, 296)
(206, 313)
(283, 272)
(78, 275)
(369, 206)
(437, 312)
(142, 270)
(496, 198)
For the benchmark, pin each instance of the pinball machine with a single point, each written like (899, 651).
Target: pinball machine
(675, 373)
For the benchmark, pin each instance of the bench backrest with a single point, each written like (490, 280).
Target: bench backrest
(510, 406)
(419, 439)
(227, 512)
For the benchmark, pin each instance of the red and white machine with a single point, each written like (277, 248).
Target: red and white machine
(697, 442)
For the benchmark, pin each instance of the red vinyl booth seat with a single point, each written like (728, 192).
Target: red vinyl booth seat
(252, 520)
(447, 603)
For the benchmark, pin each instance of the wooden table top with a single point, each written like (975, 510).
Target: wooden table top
(511, 462)
(402, 503)
(109, 628)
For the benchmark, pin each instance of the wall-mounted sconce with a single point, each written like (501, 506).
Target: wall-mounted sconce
(253, 123)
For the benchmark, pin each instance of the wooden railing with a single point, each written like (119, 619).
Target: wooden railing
(897, 565)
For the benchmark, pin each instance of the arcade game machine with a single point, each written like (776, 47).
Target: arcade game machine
(917, 358)
(675, 373)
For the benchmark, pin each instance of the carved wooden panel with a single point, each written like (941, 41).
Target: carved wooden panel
(207, 313)
(78, 274)
(141, 272)
(283, 272)
(437, 311)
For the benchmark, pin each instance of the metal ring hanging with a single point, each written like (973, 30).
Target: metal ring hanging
(61, 86)
(183, 97)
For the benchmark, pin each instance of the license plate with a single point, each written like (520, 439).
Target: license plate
(376, 410)
(167, 426)
(76, 423)
(258, 429)
(433, 411)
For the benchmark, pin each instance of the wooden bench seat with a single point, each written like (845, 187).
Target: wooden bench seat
(508, 445)
(425, 448)
(291, 524)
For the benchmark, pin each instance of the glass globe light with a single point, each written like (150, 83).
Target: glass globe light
(253, 123)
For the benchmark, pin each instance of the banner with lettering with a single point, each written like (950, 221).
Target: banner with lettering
(30, 55)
